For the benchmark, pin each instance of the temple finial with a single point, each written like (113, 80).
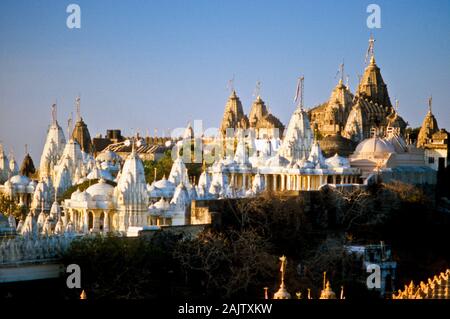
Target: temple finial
(78, 108)
(283, 268)
(341, 72)
(299, 93)
(69, 126)
(371, 50)
(257, 91)
(54, 113)
(430, 103)
(266, 293)
(230, 84)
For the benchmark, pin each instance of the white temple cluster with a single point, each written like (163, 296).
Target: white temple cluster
(111, 195)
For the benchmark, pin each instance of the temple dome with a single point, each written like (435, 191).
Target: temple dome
(336, 143)
(81, 196)
(337, 162)
(375, 145)
(164, 183)
(100, 191)
(162, 204)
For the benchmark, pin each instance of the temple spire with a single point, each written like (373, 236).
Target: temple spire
(78, 109)
(283, 268)
(341, 72)
(371, 50)
(54, 113)
(430, 103)
(230, 85)
(299, 93)
(69, 126)
(257, 91)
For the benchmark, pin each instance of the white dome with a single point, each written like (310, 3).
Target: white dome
(162, 204)
(79, 196)
(337, 161)
(19, 180)
(164, 184)
(100, 191)
(374, 145)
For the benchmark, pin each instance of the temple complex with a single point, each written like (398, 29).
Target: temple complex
(437, 287)
(350, 141)
(433, 141)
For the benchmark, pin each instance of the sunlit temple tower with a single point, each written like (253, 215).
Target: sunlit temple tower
(357, 116)
(81, 133)
(262, 121)
(428, 128)
(434, 141)
(53, 147)
(131, 192)
(330, 117)
(233, 116)
(298, 139)
(20, 187)
(4, 165)
(27, 167)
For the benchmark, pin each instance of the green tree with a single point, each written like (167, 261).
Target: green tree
(9, 207)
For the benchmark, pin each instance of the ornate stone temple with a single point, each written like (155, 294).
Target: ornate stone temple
(21, 187)
(233, 116)
(53, 147)
(437, 287)
(330, 117)
(357, 116)
(433, 141)
(4, 166)
(81, 133)
(264, 123)
(103, 207)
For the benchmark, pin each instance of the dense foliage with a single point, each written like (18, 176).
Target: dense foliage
(240, 257)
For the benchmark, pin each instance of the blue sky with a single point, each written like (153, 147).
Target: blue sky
(159, 64)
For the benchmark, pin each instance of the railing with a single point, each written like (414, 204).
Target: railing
(23, 249)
